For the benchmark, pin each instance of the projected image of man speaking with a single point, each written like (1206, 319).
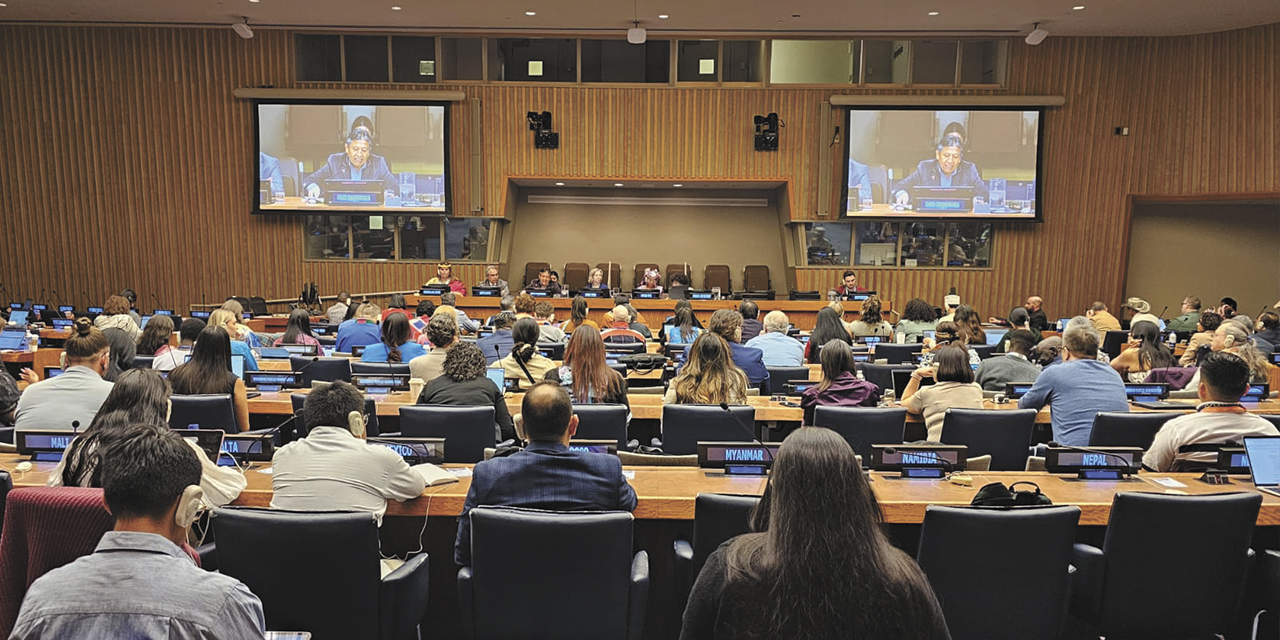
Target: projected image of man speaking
(947, 169)
(356, 162)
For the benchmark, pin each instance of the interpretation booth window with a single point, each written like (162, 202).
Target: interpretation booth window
(400, 238)
(925, 243)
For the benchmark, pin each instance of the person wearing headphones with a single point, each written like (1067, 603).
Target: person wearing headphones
(139, 582)
(947, 169)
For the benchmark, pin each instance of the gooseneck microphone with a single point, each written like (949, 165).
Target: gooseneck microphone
(750, 431)
(930, 455)
(1162, 312)
(159, 305)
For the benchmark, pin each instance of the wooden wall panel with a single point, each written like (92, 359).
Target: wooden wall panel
(127, 159)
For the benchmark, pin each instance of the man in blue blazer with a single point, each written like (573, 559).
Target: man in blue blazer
(357, 162)
(546, 475)
(947, 169)
(727, 323)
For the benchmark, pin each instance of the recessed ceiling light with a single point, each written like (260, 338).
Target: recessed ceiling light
(677, 185)
(617, 184)
(531, 13)
(933, 13)
(663, 16)
(255, 1)
(1078, 7)
(395, 7)
(559, 184)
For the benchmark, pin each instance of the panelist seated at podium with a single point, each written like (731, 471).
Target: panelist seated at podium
(356, 162)
(544, 282)
(947, 169)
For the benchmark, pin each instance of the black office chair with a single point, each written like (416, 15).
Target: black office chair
(716, 517)
(779, 377)
(1170, 566)
(379, 367)
(466, 430)
(975, 557)
(638, 346)
(862, 427)
(755, 277)
(898, 353)
(1271, 417)
(620, 368)
(684, 425)
(602, 422)
(555, 348)
(526, 563)
(984, 351)
(211, 411)
(323, 369)
(319, 572)
(1125, 429)
(1004, 435)
(6, 485)
(1113, 343)
(142, 362)
(258, 306)
(298, 400)
(881, 375)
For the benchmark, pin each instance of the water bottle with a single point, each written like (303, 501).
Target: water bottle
(864, 197)
(860, 376)
(408, 187)
(996, 193)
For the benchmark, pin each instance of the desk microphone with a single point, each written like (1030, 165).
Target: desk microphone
(750, 431)
(5, 290)
(40, 298)
(1125, 465)
(57, 297)
(75, 426)
(159, 305)
(87, 299)
(1161, 316)
(270, 433)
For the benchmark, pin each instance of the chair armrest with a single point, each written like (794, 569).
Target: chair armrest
(402, 598)
(639, 595)
(683, 570)
(466, 603)
(208, 553)
(1086, 581)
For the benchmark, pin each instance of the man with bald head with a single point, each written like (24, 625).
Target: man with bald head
(1039, 321)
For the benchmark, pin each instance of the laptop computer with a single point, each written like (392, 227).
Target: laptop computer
(995, 335)
(13, 340)
(18, 317)
(1264, 462)
(209, 440)
(902, 377)
(496, 375)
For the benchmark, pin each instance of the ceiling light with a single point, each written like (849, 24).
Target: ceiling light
(617, 184)
(559, 184)
(1037, 35)
(395, 7)
(1078, 7)
(242, 29)
(636, 34)
(531, 13)
(677, 185)
(933, 13)
(255, 1)
(663, 16)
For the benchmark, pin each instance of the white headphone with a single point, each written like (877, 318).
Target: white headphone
(1228, 340)
(189, 506)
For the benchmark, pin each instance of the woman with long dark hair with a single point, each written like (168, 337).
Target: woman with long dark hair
(524, 362)
(1144, 352)
(969, 324)
(298, 331)
(826, 328)
(209, 372)
(840, 385)
(586, 373)
(710, 377)
(917, 318)
(578, 316)
(155, 336)
(397, 342)
(821, 566)
(682, 329)
(464, 383)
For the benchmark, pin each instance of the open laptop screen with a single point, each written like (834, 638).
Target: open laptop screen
(1264, 460)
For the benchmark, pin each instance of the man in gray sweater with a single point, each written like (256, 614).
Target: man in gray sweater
(1014, 366)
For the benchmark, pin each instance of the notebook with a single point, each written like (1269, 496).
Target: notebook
(1264, 462)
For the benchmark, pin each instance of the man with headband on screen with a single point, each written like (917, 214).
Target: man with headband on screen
(356, 163)
(947, 169)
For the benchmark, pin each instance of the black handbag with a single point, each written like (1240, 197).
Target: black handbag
(998, 495)
(643, 362)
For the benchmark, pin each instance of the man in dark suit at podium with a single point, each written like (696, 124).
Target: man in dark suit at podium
(356, 162)
(546, 475)
(947, 169)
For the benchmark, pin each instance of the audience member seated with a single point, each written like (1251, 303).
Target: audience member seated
(544, 283)
(1018, 319)
(578, 316)
(464, 383)
(1227, 308)
(77, 394)
(235, 329)
(209, 371)
(779, 349)
(507, 307)
(546, 475)
(1142, 313)
(168, 359)
(1219, 418)
(683, 304)
(650, 281)
(333, 468)
(115, 315)
(751, 325)
(360, 331)
(917, 318)
(585, 372)
(226, 320)
(1232, 338)
(9, 395)
(954, 388)
(950, 302)
(1190, 316)
(840, 385)
(595, 280)
(800, 576)
(1102, 320)
(1037, 322)
(620, 329)
(1144, 352)
(155, 337)
(636, 321)
(1245, 323)
(545, 314)
(1203, 337)
(442, 332)
(338, 312)
(444, 275)
(123, 351)
(969, 325)
(500, 341)
(1269, 328)
(139, 583)
(525, 305)
(1077, 389)
(397, 343)
(728, 324)
(524, 362)
(397, 304)
(298, 330)
(827, 327)
(139, 398)
(1048, 352)
(682, 330)
(465, 324)
(1014, 366)
(709, 375)
(491, 279)
(871, 321)
(946, 333)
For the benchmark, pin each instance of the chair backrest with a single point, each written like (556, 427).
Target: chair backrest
(313, 571)
(862, 427)
(324, 369)
(466, 430)
(878, 175)
(717, 275)
(639, 273)
(1125, 429)
(673, 269)
(881, 375)
(1016, 561)
(1004, 435)
(258, 306)
(1270, 417)
(625, 343)
(208, 411)
(27, 551)
(6, 485)
(898, 353)
(526, 563)
(1175, 565)
(575, 275)
(299, 400)
(531, 270)
(755, 277)
(602, 422)
(612, 274)
(684, 425)
(984, 351)
(780, 376)
(1113, 343)
(379, 367)
(718, 517)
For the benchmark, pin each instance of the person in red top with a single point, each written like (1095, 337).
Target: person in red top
(398, 305)
(850, 283)
(444, 275)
